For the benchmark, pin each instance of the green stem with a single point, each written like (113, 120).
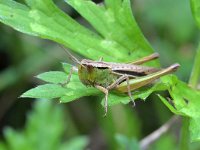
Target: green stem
(194, 78)
(184, 142)
(193, 82)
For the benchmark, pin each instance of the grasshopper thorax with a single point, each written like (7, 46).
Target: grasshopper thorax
(94, 64)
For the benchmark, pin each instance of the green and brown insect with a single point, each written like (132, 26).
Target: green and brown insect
(121, 77)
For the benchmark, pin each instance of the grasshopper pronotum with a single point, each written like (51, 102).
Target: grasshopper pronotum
(107, 76)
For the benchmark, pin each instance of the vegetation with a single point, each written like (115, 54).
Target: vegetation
(113, 34)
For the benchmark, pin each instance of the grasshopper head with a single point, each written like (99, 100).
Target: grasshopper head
(85, 73)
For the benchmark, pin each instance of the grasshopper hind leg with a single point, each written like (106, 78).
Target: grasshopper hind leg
(112, 86)
(118, 81)
(145, 59)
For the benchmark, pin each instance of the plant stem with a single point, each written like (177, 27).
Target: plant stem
(194, 78)
(148, 140)
(184, 141)
(193, 82)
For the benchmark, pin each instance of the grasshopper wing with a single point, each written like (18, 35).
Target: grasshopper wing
(134, 70)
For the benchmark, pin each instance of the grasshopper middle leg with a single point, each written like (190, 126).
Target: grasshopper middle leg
(112, 86)
(118, 81)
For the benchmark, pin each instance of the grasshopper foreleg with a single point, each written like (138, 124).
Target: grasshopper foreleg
(69, 76)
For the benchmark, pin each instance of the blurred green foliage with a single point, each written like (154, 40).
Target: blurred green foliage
(195, 4)
(43, 131)
(170, 28)
(126, 143)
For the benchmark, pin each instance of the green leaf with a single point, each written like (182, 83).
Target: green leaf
(36, 135)
(73, 94)
(72, 91)
(42, 18)
(165, 142)
(3, 146)
(15, 140)
(115, 22)
(195, 5)
(39, 119)
(114, 99)
(186, 103)
(16, 15)
(143, 93)
(77, 143)
(53, 77)
(126, 143)
(48, 91)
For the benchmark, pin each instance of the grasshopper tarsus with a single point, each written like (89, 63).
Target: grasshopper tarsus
(155, 55)
(104, 115)
(174, 67)
(62, 84)
(133, 103)
(128, 88)
(101, 59)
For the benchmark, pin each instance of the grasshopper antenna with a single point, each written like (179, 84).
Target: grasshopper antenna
(73, 58)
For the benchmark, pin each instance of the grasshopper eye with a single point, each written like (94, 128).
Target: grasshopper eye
(102, 67)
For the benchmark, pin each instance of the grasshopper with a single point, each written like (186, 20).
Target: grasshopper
(107, 76)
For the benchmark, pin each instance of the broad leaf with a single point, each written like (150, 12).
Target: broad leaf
(114, 21)
(117, 36)
(48, 91)
(185, 102)
(53, 77)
